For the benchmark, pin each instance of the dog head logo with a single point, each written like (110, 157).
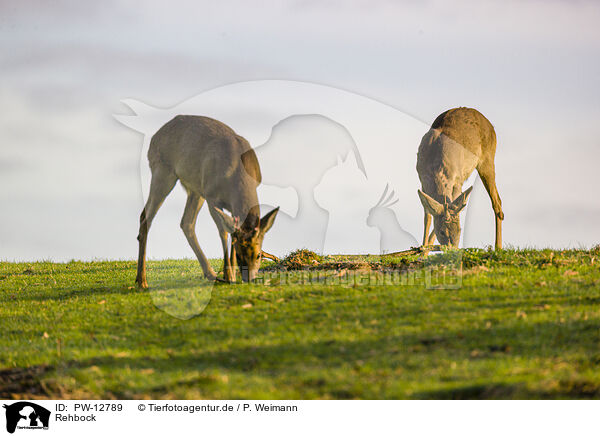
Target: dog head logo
(26, 415)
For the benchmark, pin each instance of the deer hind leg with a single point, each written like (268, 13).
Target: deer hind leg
(487, 173)
(228, 269)
(188, 225)
(161, 185)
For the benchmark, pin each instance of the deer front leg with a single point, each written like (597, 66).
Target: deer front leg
(233, 262)
(228, 274)
(228, 271)
(426, 225)
(431, 238)
(188, 225)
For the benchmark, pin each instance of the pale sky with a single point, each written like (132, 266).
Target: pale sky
(70, 184)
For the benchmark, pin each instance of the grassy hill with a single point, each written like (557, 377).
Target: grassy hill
(507, 324)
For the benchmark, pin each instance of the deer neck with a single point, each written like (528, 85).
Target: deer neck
(245, 205)
(438, 187)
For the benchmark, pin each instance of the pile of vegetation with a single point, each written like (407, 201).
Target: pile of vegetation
(300, 259)
(304, 259)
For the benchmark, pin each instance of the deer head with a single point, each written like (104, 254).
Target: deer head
(383, 203)
(247, 240)
(446, 219)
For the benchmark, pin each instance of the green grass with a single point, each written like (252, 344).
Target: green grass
(523, 324)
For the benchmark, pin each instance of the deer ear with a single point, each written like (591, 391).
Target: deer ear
(267, 221)
(227, 222)
(431, 206)
(461, 201)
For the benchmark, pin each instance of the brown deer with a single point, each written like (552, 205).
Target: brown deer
(214, 164)
(459, 141)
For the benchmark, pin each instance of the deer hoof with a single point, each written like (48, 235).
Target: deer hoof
(230, 278)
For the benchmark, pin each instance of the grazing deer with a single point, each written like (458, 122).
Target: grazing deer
(392, 236)
(214, 164)
(459, 141)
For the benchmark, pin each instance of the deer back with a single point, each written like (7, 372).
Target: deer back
(458, 140)
(208, 158)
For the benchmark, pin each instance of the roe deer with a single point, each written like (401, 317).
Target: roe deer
(214, 164)
(459, 141)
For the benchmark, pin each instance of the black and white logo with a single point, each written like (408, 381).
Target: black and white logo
(26, 415)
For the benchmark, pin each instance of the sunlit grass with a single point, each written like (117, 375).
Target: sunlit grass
(523, 324)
